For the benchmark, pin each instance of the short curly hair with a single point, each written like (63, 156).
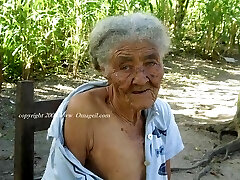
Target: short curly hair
(111, 31)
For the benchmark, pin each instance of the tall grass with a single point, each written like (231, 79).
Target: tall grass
(42, 37)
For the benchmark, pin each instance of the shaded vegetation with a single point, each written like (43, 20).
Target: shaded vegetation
(43, 37)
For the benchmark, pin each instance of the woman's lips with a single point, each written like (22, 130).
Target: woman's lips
(140, 92)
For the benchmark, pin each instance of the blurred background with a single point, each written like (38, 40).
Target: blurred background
(47, 41)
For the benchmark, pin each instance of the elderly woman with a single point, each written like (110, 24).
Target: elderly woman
(118, 129)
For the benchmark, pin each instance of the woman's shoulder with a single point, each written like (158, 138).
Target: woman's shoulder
(163, 113)
(162, 104)
(87, 103)
(90, 97)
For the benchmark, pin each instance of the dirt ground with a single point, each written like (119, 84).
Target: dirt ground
(199, 92)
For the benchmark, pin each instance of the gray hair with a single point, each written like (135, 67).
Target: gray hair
(111, 31)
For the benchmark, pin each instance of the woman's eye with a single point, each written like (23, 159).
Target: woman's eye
(151, 63)
(125, 67)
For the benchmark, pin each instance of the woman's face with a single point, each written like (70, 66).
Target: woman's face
(135, 72)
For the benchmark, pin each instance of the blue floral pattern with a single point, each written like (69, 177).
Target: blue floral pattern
(159, 151)
(159, 132)
(162, 170)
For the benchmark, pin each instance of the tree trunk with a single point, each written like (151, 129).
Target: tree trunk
(75, 67)
(26, 72)
(234, 125)
(1, 74)
(236, 118)
(181, 10)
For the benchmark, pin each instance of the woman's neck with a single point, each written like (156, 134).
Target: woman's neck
(122, 108)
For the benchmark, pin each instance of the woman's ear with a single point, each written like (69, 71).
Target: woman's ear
(104, 72)
(107, 74)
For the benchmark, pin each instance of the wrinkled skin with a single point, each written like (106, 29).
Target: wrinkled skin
(135, 73)
(113, 148)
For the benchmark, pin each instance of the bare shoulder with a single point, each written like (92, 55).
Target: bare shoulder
(88, 101)
(79, 128)
(84, 104)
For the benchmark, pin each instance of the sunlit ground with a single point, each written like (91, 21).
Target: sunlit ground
(200, 93)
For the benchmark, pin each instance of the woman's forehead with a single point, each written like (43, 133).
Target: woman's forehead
(130, 47)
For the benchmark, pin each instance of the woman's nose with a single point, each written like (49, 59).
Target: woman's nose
(140, 77)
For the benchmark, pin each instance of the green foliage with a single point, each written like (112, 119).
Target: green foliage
(212, 26)
(41, 37)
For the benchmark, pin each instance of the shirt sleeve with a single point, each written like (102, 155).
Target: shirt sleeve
(174, 142)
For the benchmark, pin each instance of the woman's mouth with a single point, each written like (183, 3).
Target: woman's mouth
(140, 92)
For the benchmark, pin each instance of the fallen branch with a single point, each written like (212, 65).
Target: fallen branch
(205, 160)
(202, 173)
(230, 147)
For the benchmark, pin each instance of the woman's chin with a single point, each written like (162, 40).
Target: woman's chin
(142, 105)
